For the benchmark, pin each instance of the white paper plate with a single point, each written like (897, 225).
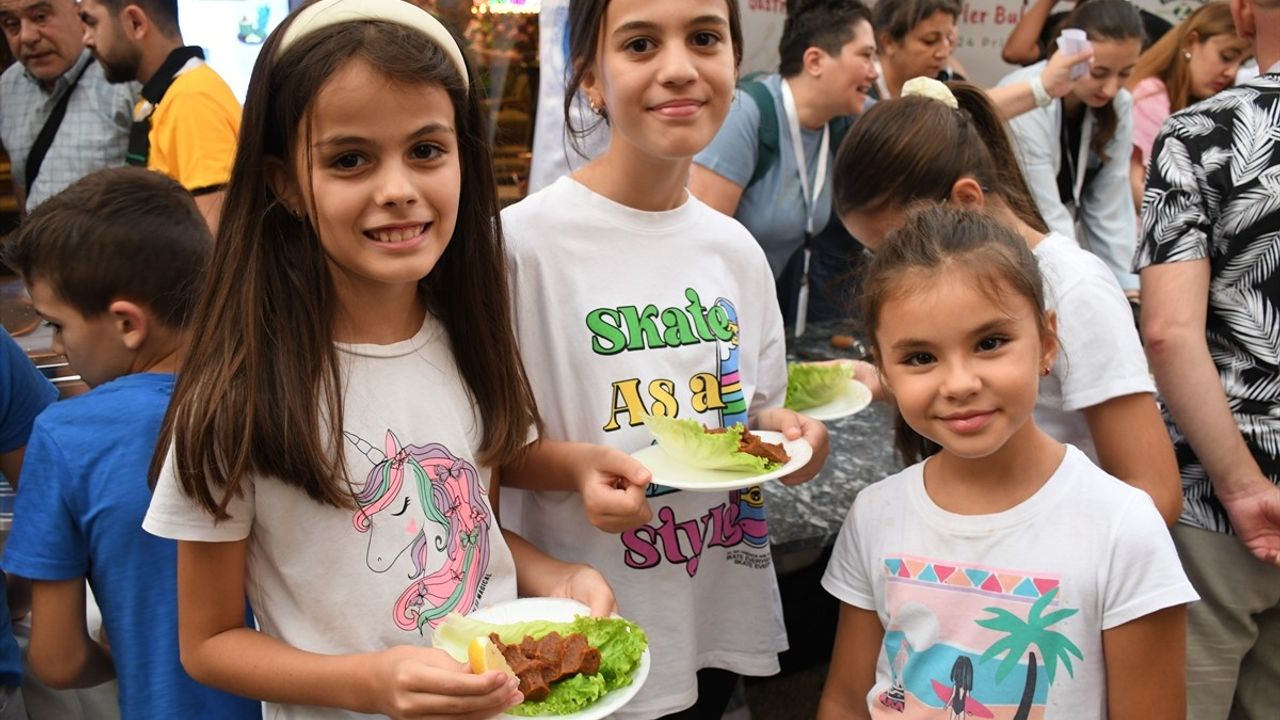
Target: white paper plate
(854, 396)
(673, 473)
(563, 610)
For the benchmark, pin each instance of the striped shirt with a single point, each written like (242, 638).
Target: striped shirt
(94, 133)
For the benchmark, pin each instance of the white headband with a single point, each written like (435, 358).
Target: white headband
(327, 13)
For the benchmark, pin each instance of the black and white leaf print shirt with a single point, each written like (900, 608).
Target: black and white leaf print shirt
(1213, 193)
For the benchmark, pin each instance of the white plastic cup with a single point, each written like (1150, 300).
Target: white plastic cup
(1072, 41)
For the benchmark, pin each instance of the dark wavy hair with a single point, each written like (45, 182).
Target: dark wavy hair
(934, 239)
(825, 24)
(261, 391)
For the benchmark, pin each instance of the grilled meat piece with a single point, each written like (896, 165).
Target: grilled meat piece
(752, 445)
(538, 663)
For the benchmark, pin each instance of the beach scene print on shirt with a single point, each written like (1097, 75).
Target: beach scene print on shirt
(427, 519)
(966, 641)
(713, 395)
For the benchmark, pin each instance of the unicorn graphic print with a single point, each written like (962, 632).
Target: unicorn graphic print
(425, 514)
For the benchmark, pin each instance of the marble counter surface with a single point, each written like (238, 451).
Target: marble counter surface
(805, 519)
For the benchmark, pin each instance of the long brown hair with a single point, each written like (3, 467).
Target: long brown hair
(1166, 59)
(586, 22)
(915, 148)
(934, 239)
(1106, 20)
(261, 392)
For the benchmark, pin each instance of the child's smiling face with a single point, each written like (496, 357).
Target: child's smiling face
(963, 359)
(384, 178)
(664, 74)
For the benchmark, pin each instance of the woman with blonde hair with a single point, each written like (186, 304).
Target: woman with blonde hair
(1194, 61)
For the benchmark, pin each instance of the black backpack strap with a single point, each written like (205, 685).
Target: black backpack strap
(48, 131)
(152, 93)
(767, 138)
(839, 128)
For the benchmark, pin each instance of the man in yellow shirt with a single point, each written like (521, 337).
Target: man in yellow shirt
(186, 123)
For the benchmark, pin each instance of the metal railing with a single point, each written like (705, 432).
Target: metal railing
(49, 369)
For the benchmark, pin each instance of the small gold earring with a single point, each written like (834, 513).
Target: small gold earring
(1045, 371)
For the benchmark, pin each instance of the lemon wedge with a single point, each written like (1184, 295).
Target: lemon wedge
(485, 656)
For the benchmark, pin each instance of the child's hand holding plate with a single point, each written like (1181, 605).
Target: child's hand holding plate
(689, 456)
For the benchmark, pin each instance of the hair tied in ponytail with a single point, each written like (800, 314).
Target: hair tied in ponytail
(932, 89)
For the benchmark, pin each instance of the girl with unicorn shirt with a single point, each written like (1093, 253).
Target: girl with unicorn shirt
(332, 446)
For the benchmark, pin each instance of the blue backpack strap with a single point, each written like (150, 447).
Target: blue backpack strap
(767, 139)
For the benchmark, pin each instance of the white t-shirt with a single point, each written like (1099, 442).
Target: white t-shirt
(1085, 554)
(425, 541)
(620, 312)
(1100, 356)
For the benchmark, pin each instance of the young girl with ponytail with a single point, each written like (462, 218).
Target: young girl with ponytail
(950, 146)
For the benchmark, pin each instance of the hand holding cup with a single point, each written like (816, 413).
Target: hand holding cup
(1072, 41)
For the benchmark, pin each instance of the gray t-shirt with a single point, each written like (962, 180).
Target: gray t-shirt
(773, 209)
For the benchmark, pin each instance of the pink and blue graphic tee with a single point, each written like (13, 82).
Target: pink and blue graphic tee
(1001, 616)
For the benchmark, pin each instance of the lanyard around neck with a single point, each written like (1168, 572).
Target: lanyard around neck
(797, 146)
(1078, 165)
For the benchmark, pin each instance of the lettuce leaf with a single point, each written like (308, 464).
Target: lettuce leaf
(620, 642)
(812, 384)
(689, 443)
(567, 696)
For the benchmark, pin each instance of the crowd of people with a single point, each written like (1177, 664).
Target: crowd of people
(317, 347)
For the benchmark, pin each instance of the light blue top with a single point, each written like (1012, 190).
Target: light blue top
(79, 514)
(1108, 220)
(773, 209)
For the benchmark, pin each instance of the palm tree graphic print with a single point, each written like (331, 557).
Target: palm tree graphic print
(1020, 636)
(966, 641)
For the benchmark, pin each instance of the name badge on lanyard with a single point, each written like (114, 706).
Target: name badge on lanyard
(810, 198)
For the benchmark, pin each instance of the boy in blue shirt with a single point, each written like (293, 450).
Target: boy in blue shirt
(24, 392)
(115, 264)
